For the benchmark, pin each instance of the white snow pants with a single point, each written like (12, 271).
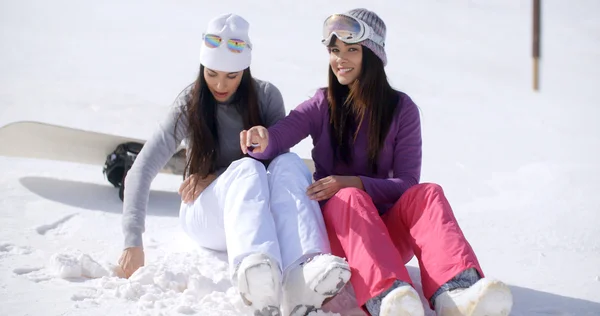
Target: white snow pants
(250, 209)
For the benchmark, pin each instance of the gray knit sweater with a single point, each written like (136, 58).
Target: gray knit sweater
(163, 143)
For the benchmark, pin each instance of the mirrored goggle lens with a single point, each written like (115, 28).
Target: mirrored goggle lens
(346, 28)
(234, 45)
(212, 41)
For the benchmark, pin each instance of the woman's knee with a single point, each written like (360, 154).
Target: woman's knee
(285, 158)
(425, 189)
(348, 194)
(350, 200)
(248, 163)
(290, 164)
(424, 197)
(246, 166)
(285, 161)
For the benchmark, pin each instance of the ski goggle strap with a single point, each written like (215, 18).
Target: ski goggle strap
(234, 45)
(349, 30)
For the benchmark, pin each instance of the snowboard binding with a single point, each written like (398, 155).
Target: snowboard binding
(118, 164)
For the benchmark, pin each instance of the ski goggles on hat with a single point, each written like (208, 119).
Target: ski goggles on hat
(233, 45)
(349, 30)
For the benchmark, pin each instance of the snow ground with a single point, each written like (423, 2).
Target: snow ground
(519, 167)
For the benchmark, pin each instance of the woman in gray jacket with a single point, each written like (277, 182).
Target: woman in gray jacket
(274, 234)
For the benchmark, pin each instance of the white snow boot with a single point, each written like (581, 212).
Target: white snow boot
(259, 284)
(487, 297)
(400, 299)
(307, 286)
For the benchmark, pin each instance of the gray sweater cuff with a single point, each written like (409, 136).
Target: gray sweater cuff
(133, 239)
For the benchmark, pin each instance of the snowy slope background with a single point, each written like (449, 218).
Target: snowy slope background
(519, 167)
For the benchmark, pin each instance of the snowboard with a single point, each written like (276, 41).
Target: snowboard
(31, 139)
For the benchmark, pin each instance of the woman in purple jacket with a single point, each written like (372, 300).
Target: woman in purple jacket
(367, 155)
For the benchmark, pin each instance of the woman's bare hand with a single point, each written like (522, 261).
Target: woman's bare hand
(256, 138)
(131, 260)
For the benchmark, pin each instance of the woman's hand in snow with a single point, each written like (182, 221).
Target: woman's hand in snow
(256, 138)
(131, 260)
(191, 188)
(327, 187)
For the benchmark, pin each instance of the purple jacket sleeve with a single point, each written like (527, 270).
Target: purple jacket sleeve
(293, 128)
(407, 159)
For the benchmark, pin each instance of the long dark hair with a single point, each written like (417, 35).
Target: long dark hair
(202, 125)
(369, 97)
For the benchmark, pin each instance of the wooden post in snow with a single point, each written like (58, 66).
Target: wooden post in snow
(536, 43)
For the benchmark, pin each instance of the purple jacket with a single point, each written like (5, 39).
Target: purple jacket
(399, 162)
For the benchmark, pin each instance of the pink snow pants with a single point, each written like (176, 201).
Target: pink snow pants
(377, 247)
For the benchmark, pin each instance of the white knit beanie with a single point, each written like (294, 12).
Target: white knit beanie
(227, 26)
